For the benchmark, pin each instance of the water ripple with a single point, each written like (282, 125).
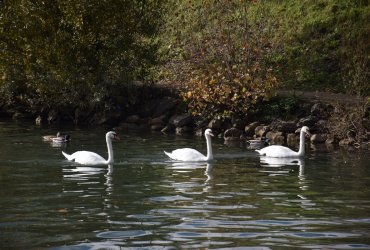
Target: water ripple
(123, 234)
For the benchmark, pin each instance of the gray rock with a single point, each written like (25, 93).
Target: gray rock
(233, 134)
(276, 137)
(168, 128)
(199, 132)
(156, 127)
(164, 106)
(292, 139)
(287, 127)
(318, 138)
(183, 130)
(330, 139)
(157, 120)
(260, 131)
(133, 126)
(347, 142)
(183, 120)
(318, 109)
(215, 124)
(250, 128)
(307, 121)
(133, 119)
(238, 123)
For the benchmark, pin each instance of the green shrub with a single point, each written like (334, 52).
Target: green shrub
(217, 59)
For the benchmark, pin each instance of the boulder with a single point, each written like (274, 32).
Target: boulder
(168, 128)
(347, 142)
(133, 119)
(238, 123)
(183, 120)
(233, 134)
(199, 132)
(292, 139)
(133, 126)
(164, 106)
(215, 124)
(250, 128)
(287, 127)
(38, 120)
(260, 131)
(157, 120)
(307, 121)
(53, 117)
(330, 139)
(157, 127)
(183, 130)
(283, 126)
(319, 110)
(318, 138)
(276, 137)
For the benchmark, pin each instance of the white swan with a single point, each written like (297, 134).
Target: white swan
(281, 151)
(192, 155)
(91, 158)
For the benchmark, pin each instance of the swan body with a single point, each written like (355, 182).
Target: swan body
(281, 151)
(91, 158)
(192, 155)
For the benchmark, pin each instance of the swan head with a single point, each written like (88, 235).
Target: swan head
(208, 132)
(306, 130)
(113, 135)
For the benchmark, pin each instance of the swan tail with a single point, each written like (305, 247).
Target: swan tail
(69, 157)
(168, 154)
(260, 152)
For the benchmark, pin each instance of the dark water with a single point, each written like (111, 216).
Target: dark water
(145, 201)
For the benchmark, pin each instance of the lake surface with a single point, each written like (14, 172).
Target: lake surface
(146, 201)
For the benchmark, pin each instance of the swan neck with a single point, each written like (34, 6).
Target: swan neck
(110, 150)
(209, 148)
(301, 144)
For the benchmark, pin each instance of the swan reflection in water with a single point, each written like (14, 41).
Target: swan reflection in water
(281, 162)
(87, 173)
(305, 202)
(79, 172)
(186, 167)
(85, 181)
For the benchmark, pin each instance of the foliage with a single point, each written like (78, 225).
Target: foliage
(217, 58)
(351, 122)
(324, 43)
(283, 108)
(225, 57)
(76, 56)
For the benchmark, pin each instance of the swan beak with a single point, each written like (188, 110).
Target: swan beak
(116, 137)
(211, 134)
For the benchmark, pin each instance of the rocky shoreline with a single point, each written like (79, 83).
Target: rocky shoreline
(164, 116)
(169, 115)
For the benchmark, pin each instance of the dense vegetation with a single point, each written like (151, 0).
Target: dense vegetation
(229, 55)
(225, 57)
(76, 57)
